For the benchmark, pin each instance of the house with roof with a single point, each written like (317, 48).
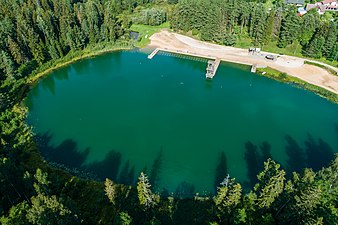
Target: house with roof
(323, 6)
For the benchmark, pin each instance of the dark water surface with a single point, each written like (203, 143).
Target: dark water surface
(120, 113)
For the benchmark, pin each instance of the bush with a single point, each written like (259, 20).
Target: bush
(195, 31)
(229, 39)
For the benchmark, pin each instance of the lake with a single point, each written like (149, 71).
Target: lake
(118, 114)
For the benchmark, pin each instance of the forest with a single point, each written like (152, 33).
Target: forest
(224, 22)
(38, 34)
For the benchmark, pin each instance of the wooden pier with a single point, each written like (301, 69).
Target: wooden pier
(153, 53)
(212, 68)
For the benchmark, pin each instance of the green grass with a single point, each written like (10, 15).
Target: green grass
(294, 49)
(283, 77)
(333, 72)
(243, 42)
(146, 31)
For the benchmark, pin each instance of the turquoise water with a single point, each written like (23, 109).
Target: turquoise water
(119, 114)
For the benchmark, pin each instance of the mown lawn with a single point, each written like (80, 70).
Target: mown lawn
(145, 32)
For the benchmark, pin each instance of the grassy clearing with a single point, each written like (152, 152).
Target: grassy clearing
(294, 49)
(72, 57)
(243, 42)
(283, 77)
(145, 32)
(333, 72)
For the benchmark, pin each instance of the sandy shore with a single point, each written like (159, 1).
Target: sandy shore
(293, 66)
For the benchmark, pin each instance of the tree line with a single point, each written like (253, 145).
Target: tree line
(223, 21)
(50, 196)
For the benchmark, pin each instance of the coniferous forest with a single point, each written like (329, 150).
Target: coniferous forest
(38, 34)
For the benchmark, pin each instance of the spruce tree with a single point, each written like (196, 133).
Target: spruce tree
(289, 29)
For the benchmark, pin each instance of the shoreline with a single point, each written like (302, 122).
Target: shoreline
(82, 55)
(293, 66)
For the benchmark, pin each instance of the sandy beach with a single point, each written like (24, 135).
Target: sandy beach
(293, 66)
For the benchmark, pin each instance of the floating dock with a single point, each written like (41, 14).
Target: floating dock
(212, 68)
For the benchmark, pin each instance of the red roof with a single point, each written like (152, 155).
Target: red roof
(328, 1)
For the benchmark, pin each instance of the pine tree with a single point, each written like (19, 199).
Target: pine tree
(257, 24)
(227, 199)
(269, 28)
(289, 29)
(145, 195)
(49, 211)
(271, 184)
(15, 51)
(310, 22)
(7, 65)
(334, 53)
(110, 190)
(17, 215)
(330, 40)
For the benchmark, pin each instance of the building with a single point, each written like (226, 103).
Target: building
(323, 6)
(295, 2)
(301, 11)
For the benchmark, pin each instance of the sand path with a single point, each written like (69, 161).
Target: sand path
(293, 66)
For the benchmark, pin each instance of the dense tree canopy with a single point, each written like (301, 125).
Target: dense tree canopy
(221, 21)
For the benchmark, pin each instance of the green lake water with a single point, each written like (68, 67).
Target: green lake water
(119, 114)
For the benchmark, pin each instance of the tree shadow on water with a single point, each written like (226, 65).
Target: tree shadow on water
(252, 159)
(66, 153)
(108, 167)
(221, 170)
(296, 157)
(154, 177)
(185, 190)
(127, 174)
(255, 160)
(266, 152)
(319, 153)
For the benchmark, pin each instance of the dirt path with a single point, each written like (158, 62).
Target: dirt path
(293, 66)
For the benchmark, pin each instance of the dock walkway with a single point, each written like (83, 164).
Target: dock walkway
(213, 63)
(212, 68)
(153, 53)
